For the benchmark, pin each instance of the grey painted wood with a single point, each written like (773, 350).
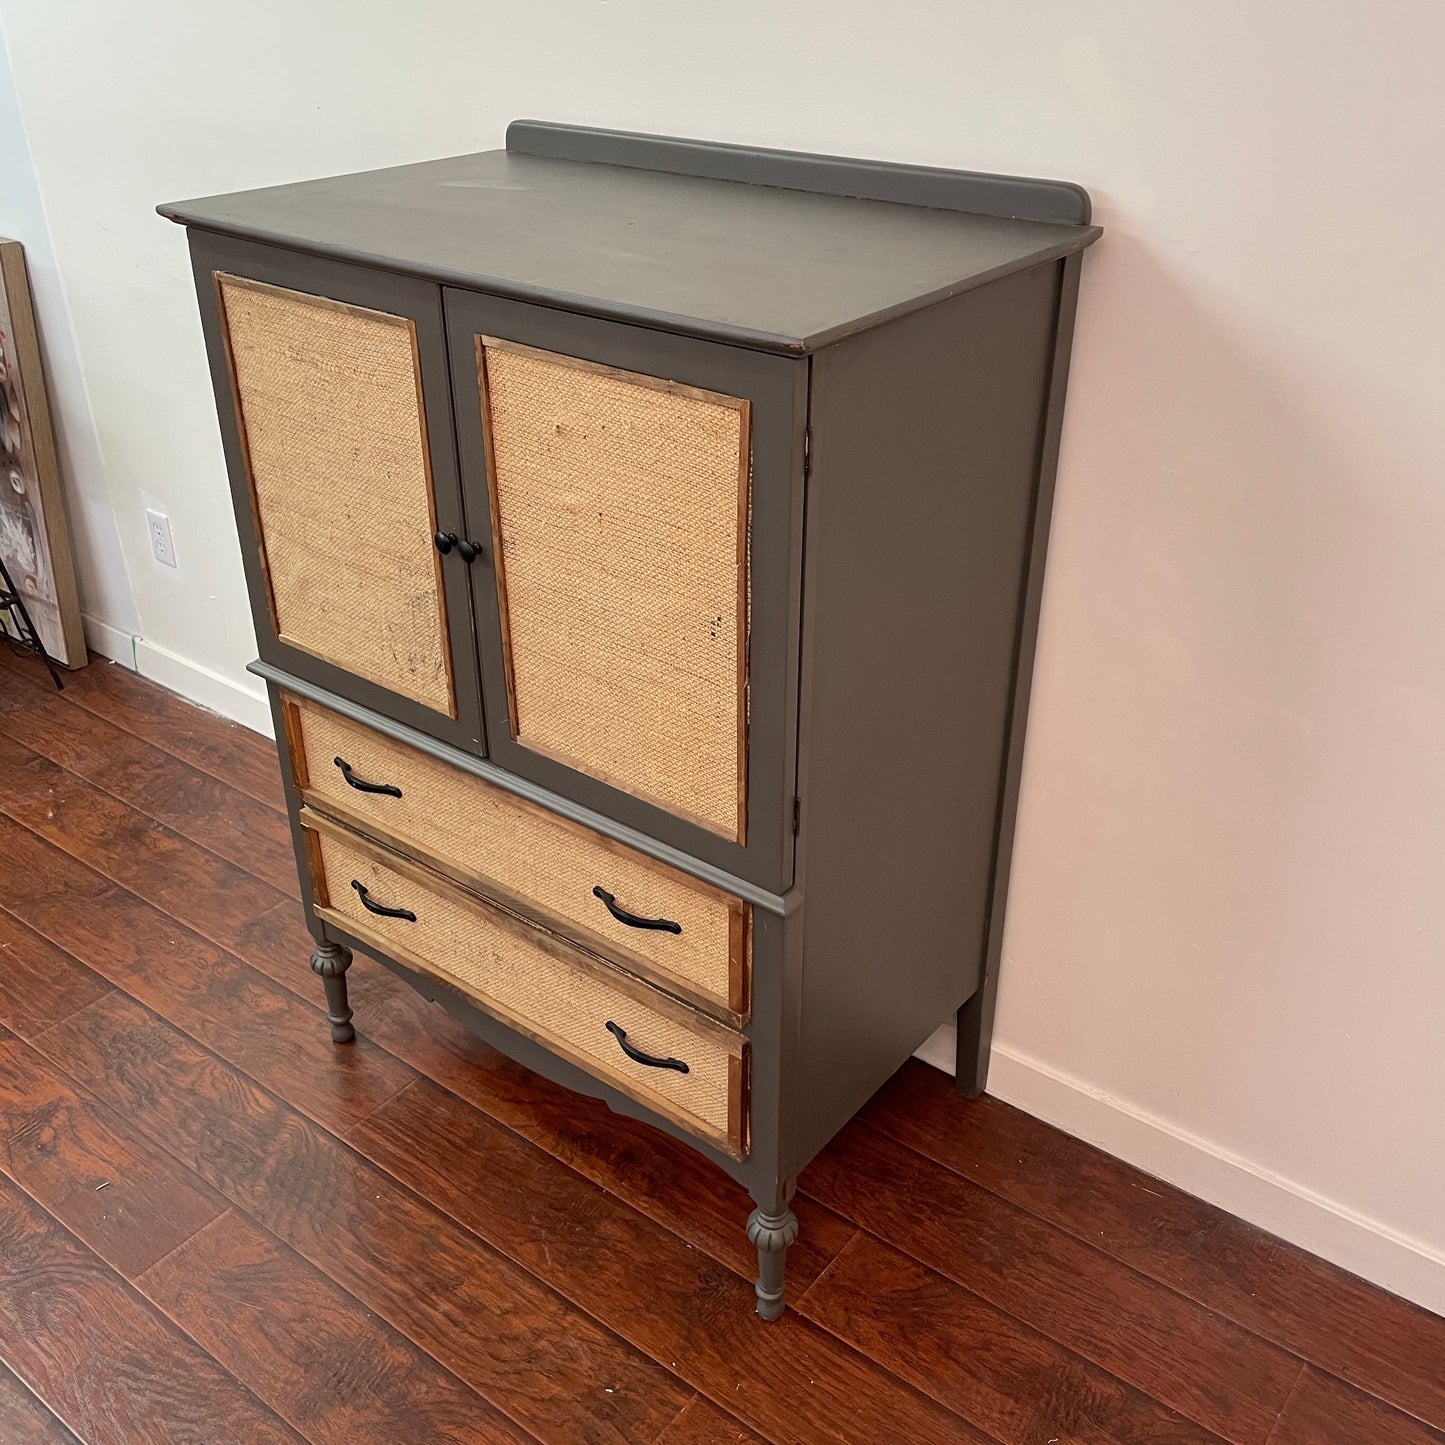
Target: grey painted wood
(777, 388)
(771, 1234)
(925, 454)
(314, 925)
(400, 296)
(329, 961)
(975, 1018)
(1016, 197)
(777, 954)
(762, 266)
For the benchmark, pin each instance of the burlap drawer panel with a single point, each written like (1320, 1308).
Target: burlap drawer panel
(485, 833)
(531, 983)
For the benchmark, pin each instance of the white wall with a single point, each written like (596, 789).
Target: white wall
(1226, 950)
(104, 584)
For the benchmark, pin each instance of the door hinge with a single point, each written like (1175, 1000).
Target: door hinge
(797, 815)
(807, 450)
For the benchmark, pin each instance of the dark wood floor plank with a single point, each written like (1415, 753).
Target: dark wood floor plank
(278, 944)
(127, 1200)
(1326, 1411)
(205, 740)
(130, 847)
(101, 1358)
(1343, 1324)
(1166, 1346)
(204, 991)
(324, 1363)
(40, 984)
(203, 808)
(226, 903)
(791, 1379)
(1009, 1380)
(544, 1364)
(662, 1178)
(24, 1420)
(704, 1424)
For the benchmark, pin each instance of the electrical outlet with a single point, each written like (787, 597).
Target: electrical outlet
(163, 547)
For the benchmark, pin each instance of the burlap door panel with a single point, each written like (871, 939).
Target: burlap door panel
(329, 410)
(620, 516)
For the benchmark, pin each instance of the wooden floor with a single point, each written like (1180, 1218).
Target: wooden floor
(215, 1226)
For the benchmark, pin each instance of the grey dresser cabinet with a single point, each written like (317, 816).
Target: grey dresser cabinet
(645, 539)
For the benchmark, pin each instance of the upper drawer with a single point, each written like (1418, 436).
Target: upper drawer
(639, 641)
(622, 905)
(342, 463)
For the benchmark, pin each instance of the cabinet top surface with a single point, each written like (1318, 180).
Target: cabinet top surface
(760, 263)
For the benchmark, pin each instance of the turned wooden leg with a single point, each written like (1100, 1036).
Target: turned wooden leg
(331, 961)
(772, 1234)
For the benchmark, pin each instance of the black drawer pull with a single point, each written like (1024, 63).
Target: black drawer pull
(377, 909)
(665, 925)
(467, 551)
(361, 785)
(638, 1057)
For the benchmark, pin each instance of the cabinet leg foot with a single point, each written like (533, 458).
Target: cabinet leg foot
(330, 961)
(772, 1234)
(975, 1034)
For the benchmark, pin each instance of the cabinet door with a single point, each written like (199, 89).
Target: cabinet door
(640, 487)
(331, 384)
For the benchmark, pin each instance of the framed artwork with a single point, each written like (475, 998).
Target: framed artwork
(34, 539)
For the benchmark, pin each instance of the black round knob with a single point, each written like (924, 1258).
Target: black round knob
(445, 541)
(469, 551)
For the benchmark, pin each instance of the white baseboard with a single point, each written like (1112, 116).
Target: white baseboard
(1397, 1262)
(245, 705)
(109, 641)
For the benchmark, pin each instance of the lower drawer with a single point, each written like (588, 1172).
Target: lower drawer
(667, 1056)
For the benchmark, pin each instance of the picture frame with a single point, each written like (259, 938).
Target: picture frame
(34, 536)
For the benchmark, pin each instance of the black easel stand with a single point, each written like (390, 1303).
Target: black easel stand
(13, 606)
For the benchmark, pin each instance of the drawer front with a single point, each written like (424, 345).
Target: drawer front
(620, 515)
(328, 407)
(525, 857)
(537, 983)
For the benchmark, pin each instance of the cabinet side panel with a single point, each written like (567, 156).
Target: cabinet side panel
(926, 438)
